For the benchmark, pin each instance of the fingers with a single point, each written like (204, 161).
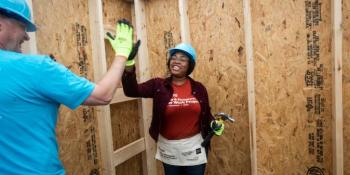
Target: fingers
(124, 25)
(125, 21)
(134, 50)
(110, 36)
(138, 43)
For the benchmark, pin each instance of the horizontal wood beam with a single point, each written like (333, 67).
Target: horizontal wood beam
(128, 151)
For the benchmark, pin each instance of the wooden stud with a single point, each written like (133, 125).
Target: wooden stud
(184, 23)
(128, 151)
(145, 105)
(250, 81)
(100, 68)
(337, 88)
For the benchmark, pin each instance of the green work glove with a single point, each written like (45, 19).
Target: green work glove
(217, 126)
(122, 43)
(135, 49)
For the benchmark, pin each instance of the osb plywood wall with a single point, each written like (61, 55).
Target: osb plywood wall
(125, 117)
(346, 84)
(125, 126)
(113, 10)
(217, 33)
(292, 57)
(66, 35)
(163, 32)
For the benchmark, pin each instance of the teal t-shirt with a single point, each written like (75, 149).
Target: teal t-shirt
(32, 87)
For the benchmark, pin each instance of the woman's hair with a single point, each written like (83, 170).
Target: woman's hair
(191, 63)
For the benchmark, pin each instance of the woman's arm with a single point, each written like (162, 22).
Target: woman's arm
(132, 88)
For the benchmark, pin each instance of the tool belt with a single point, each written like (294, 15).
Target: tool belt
(183, 152)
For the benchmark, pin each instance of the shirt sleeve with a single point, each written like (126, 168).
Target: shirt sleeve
(132, 88)
(61, 85)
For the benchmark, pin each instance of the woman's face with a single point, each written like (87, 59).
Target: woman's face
(179, 64)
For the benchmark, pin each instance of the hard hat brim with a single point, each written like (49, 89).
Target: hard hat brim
(30, 26)
(172, 51)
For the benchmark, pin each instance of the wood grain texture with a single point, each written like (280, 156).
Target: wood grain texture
(126, 129)
(291, 139)
(66, 35)
(346, 85)
(163, 32)
(217, 34)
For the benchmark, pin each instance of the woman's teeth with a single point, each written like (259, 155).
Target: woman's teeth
(176, 67)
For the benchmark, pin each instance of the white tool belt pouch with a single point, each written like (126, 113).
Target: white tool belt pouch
(183, 152)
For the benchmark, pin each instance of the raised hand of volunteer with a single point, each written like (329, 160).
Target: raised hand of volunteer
(122, 44)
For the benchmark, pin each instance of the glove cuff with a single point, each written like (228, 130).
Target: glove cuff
(130, 63)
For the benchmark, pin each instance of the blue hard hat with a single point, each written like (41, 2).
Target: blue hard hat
(186, 48)
(19, 10)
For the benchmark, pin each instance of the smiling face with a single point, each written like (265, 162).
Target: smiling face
(179, 64)
(12, 34)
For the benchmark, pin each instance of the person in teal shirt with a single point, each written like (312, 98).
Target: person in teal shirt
(32, 88)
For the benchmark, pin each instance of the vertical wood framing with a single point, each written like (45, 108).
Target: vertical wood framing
(250, 81)
(145, 105)
(184, 24)
(100, 67)
(337, 88)
(29, 47)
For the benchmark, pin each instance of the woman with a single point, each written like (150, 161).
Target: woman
(181, 112)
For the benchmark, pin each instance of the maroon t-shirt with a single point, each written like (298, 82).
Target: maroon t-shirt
(182, 114)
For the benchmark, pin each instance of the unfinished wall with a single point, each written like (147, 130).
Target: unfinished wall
(163, 32)
(125, 118)
(346, 84)
(125, 126)
(65, 34)
(292, 57)
(113, 10)
(217, 34)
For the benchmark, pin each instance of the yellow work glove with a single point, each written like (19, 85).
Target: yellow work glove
(134, 50)
(217, 126)
(123, 42)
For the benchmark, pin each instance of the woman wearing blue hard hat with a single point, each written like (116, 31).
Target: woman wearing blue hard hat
(181, 113)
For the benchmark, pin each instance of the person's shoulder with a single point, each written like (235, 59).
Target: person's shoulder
(158, 81)
(197, 83)
(30, 58)
(25, 60)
